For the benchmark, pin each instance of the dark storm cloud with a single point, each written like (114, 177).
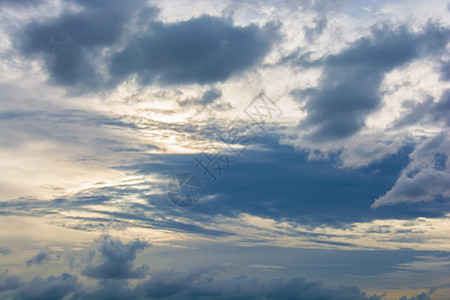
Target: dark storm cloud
(200, 50)
(349, 88)
(117, 260)
(51, 287)
(71, 43)
(39, 259)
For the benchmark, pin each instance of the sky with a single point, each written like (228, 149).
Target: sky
(278, 149)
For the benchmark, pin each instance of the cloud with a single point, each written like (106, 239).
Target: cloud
(9, 282)
(19, 3)
(426, 177)
(445, 70)
(426, 112)
(203, 283)
(117, 259)
(423, 296)
(4, 251)
(106, 290)
(71, 44)
(441, 110)
(200, 50)
(198, 283)
(349, 88)
(105, 42)
(209, 97)
(311, 33)
(48, 288)
(39, 259)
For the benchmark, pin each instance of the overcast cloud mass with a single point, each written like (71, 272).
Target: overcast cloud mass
(225, 149)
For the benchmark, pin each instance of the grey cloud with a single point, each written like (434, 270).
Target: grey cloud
(417, 112)
(209, 97)
(349, 88)
(427, 111)
(200, 50)
(4, 251)
(39, 259)
(422, 296)
(312, 33)
(445, 70)
(201, 283)
(204, 283)
(426, 177)
(51, 287)
(107, 290)
(117, 260)
(8, 282)
(71, 43)
(132, 214)
(441, 111)
(20, 3)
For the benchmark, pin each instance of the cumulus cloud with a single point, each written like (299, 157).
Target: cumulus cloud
(39, 259)
(85, 51)
(349, 88)
(200, 50)
(71, 44)
(8, 282)
(422, 296)
(52, 287)
(116, 261)
(107, 290)
(426, 177)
